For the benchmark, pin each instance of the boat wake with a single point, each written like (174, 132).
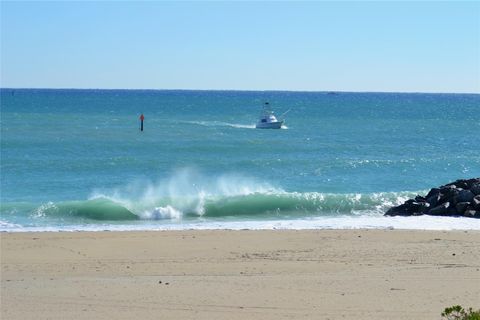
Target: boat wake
(222, 124)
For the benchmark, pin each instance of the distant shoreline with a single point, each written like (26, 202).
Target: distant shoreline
(238, 90)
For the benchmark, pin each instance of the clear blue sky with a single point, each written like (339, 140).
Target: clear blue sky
(318, 46)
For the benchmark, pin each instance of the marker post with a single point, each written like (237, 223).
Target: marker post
(141, 122)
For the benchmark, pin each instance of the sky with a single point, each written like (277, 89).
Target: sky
(299, 46)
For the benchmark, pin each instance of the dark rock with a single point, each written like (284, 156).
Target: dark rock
(417, 208)
(464, 196)
(447, 188)
(401, 210)
(459, 184)
(440, 210)
(396, 211)
(434, 199)
(409, 208)
(448, 194)
(419, 198)
(475, 189)
(470, 213)
(432, 192)
(461, 197)
(452, 211)
(472, 182)
(424, 207)
(476, 202)
(462, 206)
(463, 183)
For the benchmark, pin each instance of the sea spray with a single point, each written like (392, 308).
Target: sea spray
(186, 191)
(188, 194)
(158, 213)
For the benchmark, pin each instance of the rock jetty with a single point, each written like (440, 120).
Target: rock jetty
(458, 199)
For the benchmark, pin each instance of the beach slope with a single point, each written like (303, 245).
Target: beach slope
(322, 274)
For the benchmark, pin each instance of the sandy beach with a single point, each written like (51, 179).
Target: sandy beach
(323, 274)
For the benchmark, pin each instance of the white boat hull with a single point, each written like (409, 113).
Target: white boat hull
(269, 125)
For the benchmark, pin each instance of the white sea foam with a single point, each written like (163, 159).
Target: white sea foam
(167, 212)
(7, 226)
(342, 223)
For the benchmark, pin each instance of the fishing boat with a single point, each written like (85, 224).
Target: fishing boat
(268, 120)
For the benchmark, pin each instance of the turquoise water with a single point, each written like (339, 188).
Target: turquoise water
(76, 159)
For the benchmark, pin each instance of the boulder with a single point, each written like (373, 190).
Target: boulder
(463, 183)
(418, 207)
(464, 196)
(419, 198)
(434, 199)
(476, 202)
(462, 206)
(409, 208)
(475, 189)
(470, 213)
(400, 210)
(473, 182)
(448, 194)
(440, 210)
(461, 197)
(459, 184)
(432, 192)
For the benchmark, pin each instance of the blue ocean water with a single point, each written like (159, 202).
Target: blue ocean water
(76, 159)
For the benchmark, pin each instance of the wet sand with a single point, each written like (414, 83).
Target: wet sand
(320, 274)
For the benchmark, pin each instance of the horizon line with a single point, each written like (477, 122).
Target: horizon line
(234, 90)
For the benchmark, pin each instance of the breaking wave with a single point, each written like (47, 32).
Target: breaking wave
(291, 205)
(188, 194)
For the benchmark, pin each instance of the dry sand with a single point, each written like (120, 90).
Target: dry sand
(324, 274)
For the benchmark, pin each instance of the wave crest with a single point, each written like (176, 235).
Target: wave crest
(187, 191)
(188, 194)
(265, 205)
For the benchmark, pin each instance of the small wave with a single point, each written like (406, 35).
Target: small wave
(4, 225)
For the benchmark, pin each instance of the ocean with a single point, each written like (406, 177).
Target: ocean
(77, 160)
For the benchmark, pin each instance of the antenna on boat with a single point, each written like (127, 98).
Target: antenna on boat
(285, 113)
